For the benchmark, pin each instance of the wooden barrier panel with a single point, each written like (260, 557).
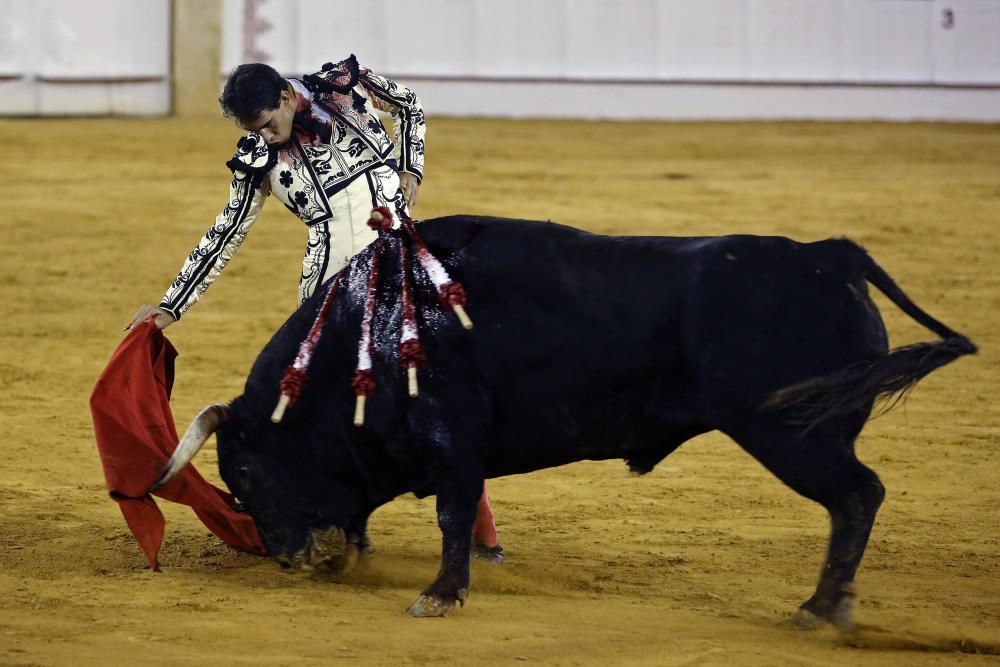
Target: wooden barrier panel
(99, 57)
(814, 58)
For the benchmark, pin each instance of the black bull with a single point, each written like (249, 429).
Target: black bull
(584, 347)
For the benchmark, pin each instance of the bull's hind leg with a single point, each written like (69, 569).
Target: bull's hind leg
(824, 468)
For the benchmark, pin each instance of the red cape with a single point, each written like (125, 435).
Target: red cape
(136, 436)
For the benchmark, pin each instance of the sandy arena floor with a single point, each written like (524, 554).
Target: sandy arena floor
(701, 562)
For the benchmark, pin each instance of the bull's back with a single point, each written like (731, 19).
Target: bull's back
(589, 346)
(571, 330)
(584, 340)
(549, 295)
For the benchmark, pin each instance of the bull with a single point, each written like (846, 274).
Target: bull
(586, 347)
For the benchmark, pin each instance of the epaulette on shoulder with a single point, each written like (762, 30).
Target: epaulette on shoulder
(335, 77)
(253, 157)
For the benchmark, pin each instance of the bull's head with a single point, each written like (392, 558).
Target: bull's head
(302, 508)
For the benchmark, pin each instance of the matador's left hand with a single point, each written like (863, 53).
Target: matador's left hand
(409, 184)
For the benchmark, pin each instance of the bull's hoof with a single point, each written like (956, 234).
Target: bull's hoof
(493, 555)
(356, 549)
(430, 606)
(806, 620)
(841, 616)
(349, 561)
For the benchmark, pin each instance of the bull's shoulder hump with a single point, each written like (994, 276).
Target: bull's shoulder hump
(462, 230)
(487, 221)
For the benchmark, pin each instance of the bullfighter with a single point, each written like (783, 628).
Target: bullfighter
(317, 145)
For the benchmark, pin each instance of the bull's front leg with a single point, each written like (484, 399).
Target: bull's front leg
(357, 545)
(456, 510)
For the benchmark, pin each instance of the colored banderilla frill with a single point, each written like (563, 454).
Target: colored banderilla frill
(411, 353)
(294, 377)
(363, 382)
(451, 293)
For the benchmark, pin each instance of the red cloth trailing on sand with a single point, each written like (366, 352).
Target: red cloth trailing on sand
(135, 437)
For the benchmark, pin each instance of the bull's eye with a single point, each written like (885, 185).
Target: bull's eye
(243, 472)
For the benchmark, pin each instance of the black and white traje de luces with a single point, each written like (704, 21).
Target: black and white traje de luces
(338, 164)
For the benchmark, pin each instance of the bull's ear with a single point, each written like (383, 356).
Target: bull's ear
(204, 425)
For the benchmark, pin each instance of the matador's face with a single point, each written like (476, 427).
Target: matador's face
(275, 125)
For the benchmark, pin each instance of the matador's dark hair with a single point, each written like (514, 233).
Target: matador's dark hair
(250, 90)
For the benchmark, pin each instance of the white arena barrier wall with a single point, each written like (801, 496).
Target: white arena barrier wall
(648, 59)
(84, 57)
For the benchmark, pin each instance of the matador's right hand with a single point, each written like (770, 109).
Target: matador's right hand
(163, 318)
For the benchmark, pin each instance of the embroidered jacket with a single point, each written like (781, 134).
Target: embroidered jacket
(336, 137)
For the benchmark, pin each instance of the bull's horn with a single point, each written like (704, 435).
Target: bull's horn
(204, 425)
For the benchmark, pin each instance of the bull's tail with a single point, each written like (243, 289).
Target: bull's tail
(886, 380)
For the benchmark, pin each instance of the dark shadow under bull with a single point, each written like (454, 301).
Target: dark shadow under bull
(585, 347)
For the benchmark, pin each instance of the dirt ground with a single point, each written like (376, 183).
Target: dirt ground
(701, 562)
